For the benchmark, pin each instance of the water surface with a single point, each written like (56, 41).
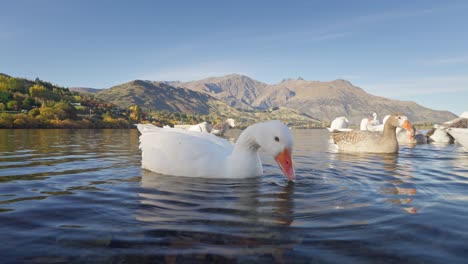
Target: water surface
(79, 196)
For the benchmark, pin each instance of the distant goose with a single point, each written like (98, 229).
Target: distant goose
(340, 123)
(367, 123)
(459, 122)
(439, 133)
(459, 129)
(373, 142)
(180, 152)
(201, 127)
(374, 121)
(380, 126)
(220, 129)
(460, 135)
(405, 137)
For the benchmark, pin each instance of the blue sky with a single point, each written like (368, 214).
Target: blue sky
(407, 50)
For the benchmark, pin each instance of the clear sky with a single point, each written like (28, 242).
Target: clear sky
(407, 50)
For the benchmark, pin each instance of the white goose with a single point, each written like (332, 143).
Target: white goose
(181, 152)
(367, 122)
(201, 127)
(375, 121)
(439, 133)
(460, 135)
(380, 126)
(458, 129)
(220, 129)
(340, 123)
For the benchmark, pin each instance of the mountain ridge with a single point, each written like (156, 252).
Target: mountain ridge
(160, 96)
(323, 100)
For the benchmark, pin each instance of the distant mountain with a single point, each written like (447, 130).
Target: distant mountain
(160, 96)
(157, 96)
(234, 89)
(233, 94)
(85, 90)
(327, 100)
(322, 100)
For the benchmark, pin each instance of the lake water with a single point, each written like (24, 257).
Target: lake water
(81, 197)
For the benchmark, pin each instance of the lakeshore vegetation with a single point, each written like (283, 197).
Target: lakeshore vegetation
(40, 104)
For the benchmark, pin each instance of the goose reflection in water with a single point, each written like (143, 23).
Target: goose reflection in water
(385, 170)
(196, 215)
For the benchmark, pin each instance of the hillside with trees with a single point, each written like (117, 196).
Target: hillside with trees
(40, 104)
(184, 106)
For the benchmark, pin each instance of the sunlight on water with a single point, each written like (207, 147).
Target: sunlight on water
(80, 196)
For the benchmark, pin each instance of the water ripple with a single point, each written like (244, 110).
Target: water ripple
(80, 196)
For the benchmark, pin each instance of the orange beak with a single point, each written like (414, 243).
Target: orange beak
(285, 163)
(406, 125)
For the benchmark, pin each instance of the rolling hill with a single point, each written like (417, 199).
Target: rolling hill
(238, 95)
(322, 100)
(162, 96)
(157, 96)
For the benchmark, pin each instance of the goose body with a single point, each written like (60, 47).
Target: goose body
(220, 129)
(181, 152)
(460, 122)
(374, 121)
(340, 123)
(460, 135)
(370, 123)
(373, 142)
(378, 127)
(201, 127)
(364, 124)
(439, 133)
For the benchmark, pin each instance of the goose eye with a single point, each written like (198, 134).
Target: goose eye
(277, 139)
(399, 117)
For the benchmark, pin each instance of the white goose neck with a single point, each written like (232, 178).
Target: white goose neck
(247, 139)
(245, 155)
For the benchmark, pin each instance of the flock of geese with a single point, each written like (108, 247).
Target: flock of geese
(379, 139)
(197, 152)
(455, 130)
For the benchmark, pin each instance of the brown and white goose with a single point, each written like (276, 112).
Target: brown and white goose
(373, 142)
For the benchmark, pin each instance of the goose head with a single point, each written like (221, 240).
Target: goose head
(276, 139)
(399, 120)
(231, 122)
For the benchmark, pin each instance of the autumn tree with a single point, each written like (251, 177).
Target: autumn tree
(69, 111)
(29, 103)
(4, 97)
(6, 120)
(135, 113)
(12, 105)
(41, 92)
(3, 87)
(16, 85)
